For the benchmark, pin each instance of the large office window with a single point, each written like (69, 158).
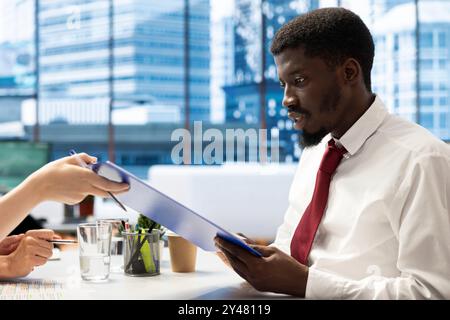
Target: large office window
(411, 68)
(17, 67)
(116, 78)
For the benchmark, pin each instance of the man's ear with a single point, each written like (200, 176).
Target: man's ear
(351, 69)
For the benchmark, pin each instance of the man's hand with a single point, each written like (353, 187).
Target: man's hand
(33, 250)
(275, 271)
(9, 244)
(224, 258)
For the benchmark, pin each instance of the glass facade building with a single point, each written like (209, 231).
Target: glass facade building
(413, 74)
(256, 84)
(16, 49)
(412, 55)
(130, 51)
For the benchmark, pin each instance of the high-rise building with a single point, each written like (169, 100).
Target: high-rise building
(148, 58)
(16, 49)
(243, 97)
(222, 64)
(17, 77)
(418, 90)
(415, 88)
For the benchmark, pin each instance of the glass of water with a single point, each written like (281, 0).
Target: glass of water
(116, 242)
(94, 241)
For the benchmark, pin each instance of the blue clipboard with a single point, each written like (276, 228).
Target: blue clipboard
(166, 211)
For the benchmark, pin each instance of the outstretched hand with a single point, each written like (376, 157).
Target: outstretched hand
(275, 271)
(65, 181)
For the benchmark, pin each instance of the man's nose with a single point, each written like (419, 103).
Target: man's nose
(288, 98)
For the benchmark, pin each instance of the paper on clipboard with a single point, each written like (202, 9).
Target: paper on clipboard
(166, 211)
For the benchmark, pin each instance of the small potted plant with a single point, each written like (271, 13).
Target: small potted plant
(147, 223)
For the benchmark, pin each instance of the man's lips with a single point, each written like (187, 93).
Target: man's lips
(298, 118)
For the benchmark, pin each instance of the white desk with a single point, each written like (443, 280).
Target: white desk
(212, 280)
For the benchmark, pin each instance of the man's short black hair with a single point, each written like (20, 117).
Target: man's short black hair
(333, 34)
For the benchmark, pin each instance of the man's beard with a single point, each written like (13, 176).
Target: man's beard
(328, 104)
(312, 139)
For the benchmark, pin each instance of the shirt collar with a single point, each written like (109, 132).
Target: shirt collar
(363, 128)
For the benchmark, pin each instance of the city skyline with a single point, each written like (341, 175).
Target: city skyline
(225, 85)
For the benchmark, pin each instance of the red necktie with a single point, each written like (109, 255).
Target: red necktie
(307, 227)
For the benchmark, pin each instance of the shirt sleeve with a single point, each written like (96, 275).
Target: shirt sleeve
(284, 232)
(420, 218)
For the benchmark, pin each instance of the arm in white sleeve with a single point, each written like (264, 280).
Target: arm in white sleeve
(284, 233)
(421, 220)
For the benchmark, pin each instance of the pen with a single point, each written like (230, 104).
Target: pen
(63, 241)
(84, 165)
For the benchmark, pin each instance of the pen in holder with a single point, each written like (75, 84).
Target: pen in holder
(142, 253)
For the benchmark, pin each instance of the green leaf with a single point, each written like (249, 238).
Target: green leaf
(147, 223)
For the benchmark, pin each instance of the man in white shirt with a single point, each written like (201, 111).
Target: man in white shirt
(384, 229)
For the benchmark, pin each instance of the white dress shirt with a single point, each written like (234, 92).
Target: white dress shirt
(385, 233)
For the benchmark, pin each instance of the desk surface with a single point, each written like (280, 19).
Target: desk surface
(62, 280)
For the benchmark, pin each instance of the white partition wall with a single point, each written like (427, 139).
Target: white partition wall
(247, 198)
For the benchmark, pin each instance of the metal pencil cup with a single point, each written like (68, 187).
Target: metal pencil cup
(142, 253)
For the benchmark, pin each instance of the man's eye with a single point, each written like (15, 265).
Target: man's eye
(299, 80)
(282, 85)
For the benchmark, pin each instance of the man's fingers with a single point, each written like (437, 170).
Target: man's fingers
(264, 250)
(247, 281)
(242, 275)
(233, 259)
(245, 238)
(224, 259)
(230, 247)
(234, 249)
(224, 246)
(239, 266)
